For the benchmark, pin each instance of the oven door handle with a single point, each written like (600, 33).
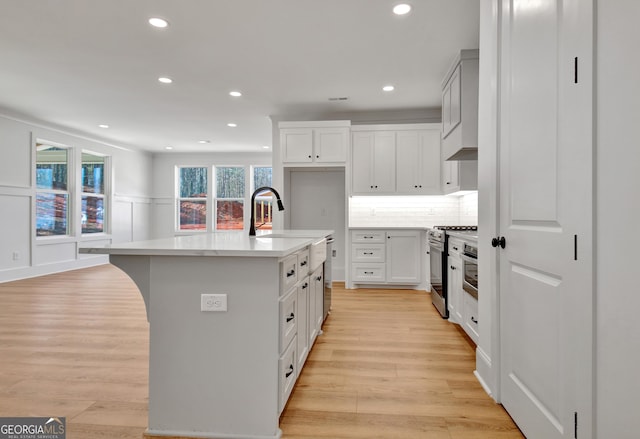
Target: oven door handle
(468, 259)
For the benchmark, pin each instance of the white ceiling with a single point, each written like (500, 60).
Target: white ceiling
(79, 63)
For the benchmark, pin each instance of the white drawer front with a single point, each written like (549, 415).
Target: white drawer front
(471, 317)
(368, 272)
(456, 246)
(368, 253)
(371, 236)
(288, 273)
(288, 320)
(303, 263)
(287, 374)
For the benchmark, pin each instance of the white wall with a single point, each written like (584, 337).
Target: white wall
(617, 218)
(164, 165)
(130, 203)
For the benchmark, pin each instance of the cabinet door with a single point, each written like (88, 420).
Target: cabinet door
(302, 314)
(403, 257)
(450, 179)
(361, 162)
(384, 162)
(296, 145)
(330, 145)
(454, 290)
(312, 331)
(446, 110)
(455, 104)
(409, 158)
(318, 279)
(429, 183)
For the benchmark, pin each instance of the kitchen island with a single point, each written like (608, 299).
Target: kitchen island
(225, 373)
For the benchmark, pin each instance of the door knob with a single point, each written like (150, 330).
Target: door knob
(499, 241)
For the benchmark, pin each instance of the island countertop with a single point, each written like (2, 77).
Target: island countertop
(267, 243)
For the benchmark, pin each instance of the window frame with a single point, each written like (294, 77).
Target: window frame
(178, 199)
(69, 192)
(215, 198)
(106, 195)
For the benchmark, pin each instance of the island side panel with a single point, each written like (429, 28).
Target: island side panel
(138, 269)
(214, 372)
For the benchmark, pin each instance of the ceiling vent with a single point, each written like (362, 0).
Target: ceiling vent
(343, 98)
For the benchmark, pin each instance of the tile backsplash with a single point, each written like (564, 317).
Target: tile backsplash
(413, 211)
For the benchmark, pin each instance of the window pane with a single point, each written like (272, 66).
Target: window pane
(51, 167)
(193, 182)
(263, 209)
(229, 215)
(261, 177)
(92, 174)
(92, 214)
(51, 214)
(193, 214)
(230, 182)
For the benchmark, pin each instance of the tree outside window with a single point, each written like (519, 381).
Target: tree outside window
(192, 198)
(93, 191)
(263, 203)
(230, 193)
(52, 190)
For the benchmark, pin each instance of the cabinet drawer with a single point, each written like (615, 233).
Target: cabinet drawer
(287, 373)
(288, 320)
(471, 317)
(288, 273)
(368, 253)
(303, 263)
(369, 236)
(368, 272)
(456, 247)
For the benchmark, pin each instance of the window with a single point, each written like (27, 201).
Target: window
(192, 198)
(230, 193)
(52, 190)
(263, 203)
(93, 190)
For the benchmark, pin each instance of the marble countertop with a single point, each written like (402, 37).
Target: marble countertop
(469, 235)
(267, 243)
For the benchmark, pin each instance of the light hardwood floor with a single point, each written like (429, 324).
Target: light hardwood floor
(75, 344)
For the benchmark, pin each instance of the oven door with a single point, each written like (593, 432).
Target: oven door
(470, 275)
(437, 280)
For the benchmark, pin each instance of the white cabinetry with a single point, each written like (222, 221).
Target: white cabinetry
(460, 108)
(454, 281)
(459, 176)
(418, 162)
(395, 159)
(386, 257)
(373, 162)
(314, 143)
(301, 314)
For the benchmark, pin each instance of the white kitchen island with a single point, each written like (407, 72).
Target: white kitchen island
(219, 374)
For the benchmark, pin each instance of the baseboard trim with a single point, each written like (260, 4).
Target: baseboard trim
(154, 434)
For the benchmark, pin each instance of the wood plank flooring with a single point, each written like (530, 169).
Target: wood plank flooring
(75, 344)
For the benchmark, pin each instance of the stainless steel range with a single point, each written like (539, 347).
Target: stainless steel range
(437, 239)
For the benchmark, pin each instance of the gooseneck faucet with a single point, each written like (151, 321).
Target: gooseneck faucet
(252, 229)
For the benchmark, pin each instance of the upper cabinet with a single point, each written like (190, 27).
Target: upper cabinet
(395, 159)
(460, 108)
(314, 143)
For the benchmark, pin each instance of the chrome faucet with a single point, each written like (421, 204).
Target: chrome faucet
(252, 229)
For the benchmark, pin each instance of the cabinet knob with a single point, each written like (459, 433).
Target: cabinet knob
(291, 273)
(420, 185)
(474, 320)
(317, 156)
(448, 182)
(309, 156)
(452, 267)
(319, 278)
(305, 285)
(376, 187)
(368, 272)
(415, 186)
(303, 263)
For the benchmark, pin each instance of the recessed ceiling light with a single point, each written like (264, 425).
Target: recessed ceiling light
(204, 141)
(158, 22)
(103, 126)
(235, 94)
(388, 88)
(401, 9)
(266, 147)
(168, 147)
(165, 80)
(232, 125)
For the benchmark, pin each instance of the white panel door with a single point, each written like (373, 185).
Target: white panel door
(546, 290)
(403, 257)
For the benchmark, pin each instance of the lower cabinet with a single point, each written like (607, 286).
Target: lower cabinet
(386, 257)
(470, 325)
(463, 307)
(301, 315)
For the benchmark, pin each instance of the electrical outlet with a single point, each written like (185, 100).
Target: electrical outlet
(213, 302)
(16, 256)
(334, 253)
